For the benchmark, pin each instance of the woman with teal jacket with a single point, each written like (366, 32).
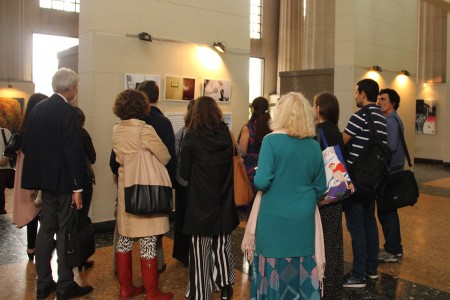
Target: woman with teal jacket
(291, 176)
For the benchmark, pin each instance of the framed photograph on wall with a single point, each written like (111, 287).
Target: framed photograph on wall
(133, 80)
(219, 90)
(179, 88)
(425, 116)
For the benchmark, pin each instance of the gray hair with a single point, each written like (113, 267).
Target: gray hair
(63, 79)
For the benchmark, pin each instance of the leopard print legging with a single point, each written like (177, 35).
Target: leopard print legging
(148, 246)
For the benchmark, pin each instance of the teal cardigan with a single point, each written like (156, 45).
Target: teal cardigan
(292, 177)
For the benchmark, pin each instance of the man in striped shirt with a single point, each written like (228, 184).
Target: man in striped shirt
(360, 213)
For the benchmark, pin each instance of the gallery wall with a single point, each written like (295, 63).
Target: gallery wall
(361, 42)
(108, 51)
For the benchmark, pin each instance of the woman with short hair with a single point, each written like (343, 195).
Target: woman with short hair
(131, 106)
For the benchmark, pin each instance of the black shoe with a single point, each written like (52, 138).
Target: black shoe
(87, 264)
(352, 281)
(42, 294)
(162, 269)
(74, 292)
(226, 292)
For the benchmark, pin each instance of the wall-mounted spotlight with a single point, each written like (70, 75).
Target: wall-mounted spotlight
(144, 36)
(377, 68)
(405, 72)
(219, 47)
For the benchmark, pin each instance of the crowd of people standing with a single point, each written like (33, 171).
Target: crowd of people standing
(283, 159)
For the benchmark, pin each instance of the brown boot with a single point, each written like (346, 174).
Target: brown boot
(150, 280)
(124, 273)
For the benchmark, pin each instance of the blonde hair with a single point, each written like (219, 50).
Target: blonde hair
(293, 113)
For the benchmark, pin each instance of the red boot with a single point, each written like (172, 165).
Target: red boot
(124, 273)
(150, 280)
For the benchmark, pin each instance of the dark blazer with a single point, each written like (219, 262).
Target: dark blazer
(164, 129)
(206, 161)
(52, 147)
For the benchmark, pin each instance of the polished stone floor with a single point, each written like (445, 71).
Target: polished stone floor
(422, 273)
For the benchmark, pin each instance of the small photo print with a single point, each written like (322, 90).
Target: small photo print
(425, 116)
(133, 80)
(179, 88)
(219, 90)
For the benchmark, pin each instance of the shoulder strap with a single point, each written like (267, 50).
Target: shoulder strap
(233, 144)
(325, 144)
(4, 137)
(402, 138)
(372, 128)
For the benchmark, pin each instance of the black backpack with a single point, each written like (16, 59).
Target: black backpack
(370, 169)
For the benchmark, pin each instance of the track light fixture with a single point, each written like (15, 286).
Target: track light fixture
(377, 68)
(219, 47)
(405, 72)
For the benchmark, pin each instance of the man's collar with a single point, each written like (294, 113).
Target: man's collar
(62, 97)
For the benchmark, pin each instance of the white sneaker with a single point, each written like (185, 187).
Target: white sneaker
(384, 256)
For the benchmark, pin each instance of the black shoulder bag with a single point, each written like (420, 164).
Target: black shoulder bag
(400, 188)
(12, 162)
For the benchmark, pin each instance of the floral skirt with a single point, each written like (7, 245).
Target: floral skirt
(284, 278)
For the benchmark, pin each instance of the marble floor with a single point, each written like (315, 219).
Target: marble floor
(422, 273)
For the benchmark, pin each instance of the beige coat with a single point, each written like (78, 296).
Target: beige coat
(24, 208)
(124, 140)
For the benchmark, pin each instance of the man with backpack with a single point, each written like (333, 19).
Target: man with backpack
(367, 159)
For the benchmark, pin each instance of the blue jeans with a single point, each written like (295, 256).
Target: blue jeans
(362, 225)
(390, 224)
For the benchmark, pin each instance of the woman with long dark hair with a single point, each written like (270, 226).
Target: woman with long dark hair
(252, 134)
(181, 240)
(26, 212)
(326, 116)
(206, 162)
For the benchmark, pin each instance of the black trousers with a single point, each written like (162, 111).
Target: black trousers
(55, 215)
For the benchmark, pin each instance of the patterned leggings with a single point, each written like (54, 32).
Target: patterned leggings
(148, 246)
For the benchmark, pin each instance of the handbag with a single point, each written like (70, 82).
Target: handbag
(400, 188)
(79, 240)
(11, 172)
(339, 184)
(148, 189)
(11, 147)
(243, 193)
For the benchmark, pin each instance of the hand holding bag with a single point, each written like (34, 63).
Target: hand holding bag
(339, 184)
(148, 189)
(79, 240)
(400, 188)
(243, 193)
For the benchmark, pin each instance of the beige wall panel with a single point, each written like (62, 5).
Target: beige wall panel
(169, 20)
(106, 54)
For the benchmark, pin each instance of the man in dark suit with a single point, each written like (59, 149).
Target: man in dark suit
(54, 164)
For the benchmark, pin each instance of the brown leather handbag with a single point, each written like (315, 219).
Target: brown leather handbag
(243, 193)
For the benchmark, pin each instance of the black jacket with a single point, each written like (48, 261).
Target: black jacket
(332, 135)
(206, 161)
(51, 144)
